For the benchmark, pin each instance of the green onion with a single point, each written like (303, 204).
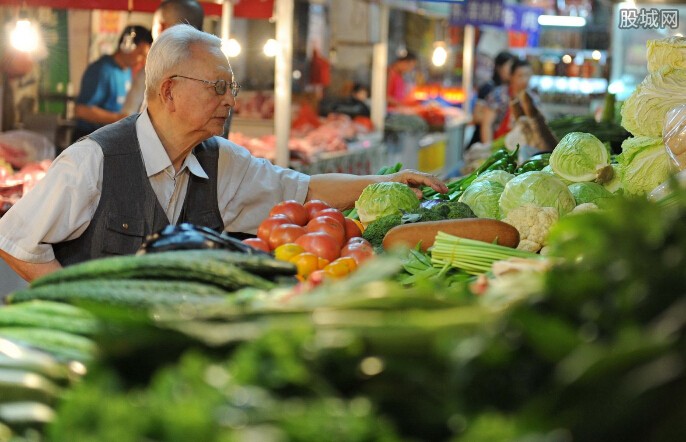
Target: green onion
(474, 257)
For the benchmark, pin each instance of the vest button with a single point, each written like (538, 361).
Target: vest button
(125, 226)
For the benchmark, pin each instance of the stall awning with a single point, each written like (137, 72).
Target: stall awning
(257, 9)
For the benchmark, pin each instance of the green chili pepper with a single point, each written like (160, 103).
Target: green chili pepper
(530, 166)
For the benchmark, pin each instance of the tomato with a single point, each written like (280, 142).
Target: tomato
(317, 277)
(268, 224)
(305, 262)
(257, 243)
(285, 252)
(351, 229)
(333, 213)
(337, 269)
(357, 240)
(356, 243)
(321, 244)
(349, 261)
(314, 206)
(359, 254)
(321, 263)
(293, 210)
(327, 225)
(285, 233)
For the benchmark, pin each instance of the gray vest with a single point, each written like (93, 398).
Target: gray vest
(128, 210)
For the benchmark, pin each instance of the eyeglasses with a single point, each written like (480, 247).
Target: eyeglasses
(219, 85)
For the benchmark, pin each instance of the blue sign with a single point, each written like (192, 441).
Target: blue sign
(494, 13)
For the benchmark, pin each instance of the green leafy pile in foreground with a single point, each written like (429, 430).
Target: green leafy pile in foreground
(597, 355)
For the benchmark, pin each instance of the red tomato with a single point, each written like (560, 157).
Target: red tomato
(285, 233)
(321, 244)
(359, 254)
(351, 229)
(327, 225)
(257, 243)
(293, 210)
(314, 206)
(333, 213)
(268, 224)
(357, 243)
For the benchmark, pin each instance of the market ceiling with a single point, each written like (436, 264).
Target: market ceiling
(257, 9)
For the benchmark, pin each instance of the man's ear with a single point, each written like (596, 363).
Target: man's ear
(166, 93)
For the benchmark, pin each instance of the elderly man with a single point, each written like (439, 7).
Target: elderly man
(105, 193)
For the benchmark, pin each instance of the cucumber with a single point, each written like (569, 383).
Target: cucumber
(16, 356)
(229, 270)
(55, 308)
(124, 292)
(23, 385)
(26, 414)
(61, 344)
(17, 315)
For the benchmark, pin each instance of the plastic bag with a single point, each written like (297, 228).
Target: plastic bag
(20, 147)
(674, 135)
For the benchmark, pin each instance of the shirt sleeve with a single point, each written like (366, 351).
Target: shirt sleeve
(248, 187)
(59, 208)
(92, 92)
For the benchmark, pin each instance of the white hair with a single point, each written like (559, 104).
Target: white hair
(171, 49)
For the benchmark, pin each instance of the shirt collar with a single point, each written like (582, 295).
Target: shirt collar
(154, 156)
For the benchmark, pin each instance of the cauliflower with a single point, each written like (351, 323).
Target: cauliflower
(585, 207)
(533, 224)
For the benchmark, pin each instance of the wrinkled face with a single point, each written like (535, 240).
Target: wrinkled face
(520, 78)
(198, 109)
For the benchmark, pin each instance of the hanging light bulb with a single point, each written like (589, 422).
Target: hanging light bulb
(231, 47)
(24, 36)
(271, 48)
(440, 54)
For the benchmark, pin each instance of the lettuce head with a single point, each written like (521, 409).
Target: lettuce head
(579, 157)
(483, 198)
(670, 51)
(643, 113)
(538, 188)
(381, 199)
(644, 163)
(498, 176)
(590, 193)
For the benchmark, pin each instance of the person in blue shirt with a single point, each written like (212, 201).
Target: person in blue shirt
(106, 81)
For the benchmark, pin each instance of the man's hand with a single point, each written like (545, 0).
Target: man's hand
(416, 180)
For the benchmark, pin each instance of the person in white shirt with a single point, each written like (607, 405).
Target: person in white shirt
(169, 13)
(105, 193)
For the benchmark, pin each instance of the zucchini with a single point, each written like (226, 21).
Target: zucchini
(124, 292)
(229, 270)
(17, 315)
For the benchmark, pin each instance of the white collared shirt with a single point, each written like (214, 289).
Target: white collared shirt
(59, 208)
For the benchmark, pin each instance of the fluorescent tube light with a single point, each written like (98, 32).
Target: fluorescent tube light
(561, 20)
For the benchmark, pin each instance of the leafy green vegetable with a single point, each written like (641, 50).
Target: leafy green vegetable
(483, 198)
(643, 113)
(498, 176)
(537, 188)
(669, 51)
(387, 198)
(644, 163)
(580, 156)
(590, 193)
